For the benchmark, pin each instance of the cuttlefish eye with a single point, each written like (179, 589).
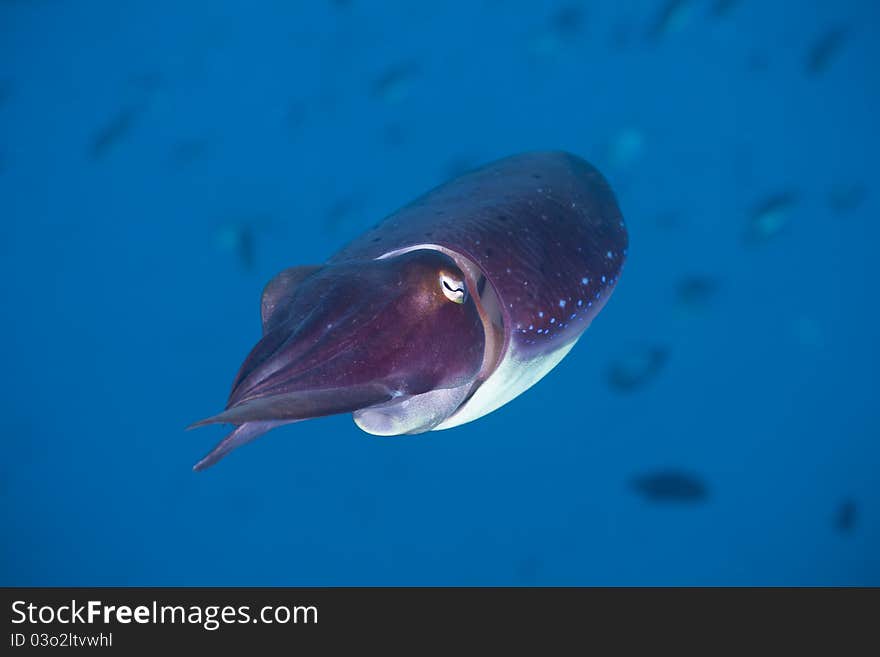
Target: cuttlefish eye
(453, 287)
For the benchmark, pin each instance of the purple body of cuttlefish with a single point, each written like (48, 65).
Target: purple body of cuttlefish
(441, 313)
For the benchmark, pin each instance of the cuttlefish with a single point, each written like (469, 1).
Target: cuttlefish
(443, 312)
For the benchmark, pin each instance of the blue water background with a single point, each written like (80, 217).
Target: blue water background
(145, 145)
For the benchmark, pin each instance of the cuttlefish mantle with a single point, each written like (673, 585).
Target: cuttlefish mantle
(443, 312)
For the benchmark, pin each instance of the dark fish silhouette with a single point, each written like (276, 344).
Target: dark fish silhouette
(846, 517)
(394, 84)
(674, 486)
(637, 368)
(770, 216)
(239, 237)
(568, 21)
(823, 51)
(563, 26)
(246, 249)
(696, 291)
(672, 17)
(114, 131)
(445, 311)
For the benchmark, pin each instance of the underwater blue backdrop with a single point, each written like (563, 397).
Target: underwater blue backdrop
(717, 424)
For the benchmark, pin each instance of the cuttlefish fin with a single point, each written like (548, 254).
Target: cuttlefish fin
(280, 289)
(241, 435)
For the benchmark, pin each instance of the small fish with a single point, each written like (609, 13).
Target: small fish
(673, 486)
(114, 131)
(673, 16)
(238, 238)
(846, 517)
(394, 85)
(567, 21)
(770, 216)
(847, 198)
(824, 49)
(696, 292)
(636, 369)
(245, 250)
(563, 26)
